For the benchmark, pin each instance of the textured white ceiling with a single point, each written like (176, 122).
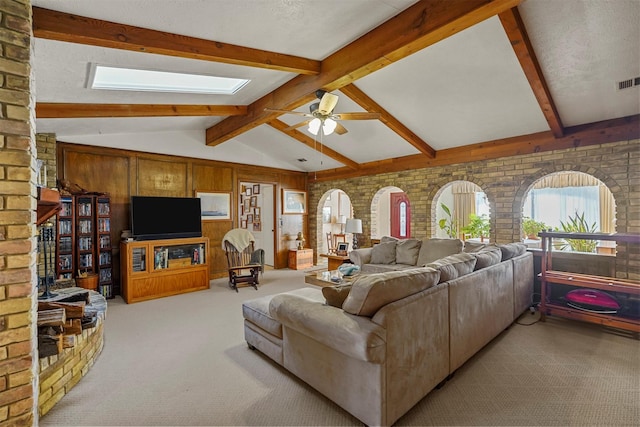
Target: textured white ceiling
(466, 89)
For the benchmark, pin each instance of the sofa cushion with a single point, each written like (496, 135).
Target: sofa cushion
(407, 251)
(454, 266)
(433, 249)
(385, 239)
(487, 256)
(371, 292)
(511, 250)
(384, 253)
(383, 268)
(335, 295)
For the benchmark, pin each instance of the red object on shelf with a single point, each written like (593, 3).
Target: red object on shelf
(592, 299)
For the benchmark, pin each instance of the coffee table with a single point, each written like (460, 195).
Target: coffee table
(323, 278)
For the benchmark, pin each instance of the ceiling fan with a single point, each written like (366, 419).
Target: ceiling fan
(321, 115)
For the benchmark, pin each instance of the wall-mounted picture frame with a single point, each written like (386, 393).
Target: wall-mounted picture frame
(294, 202)
(256, 188)
(342, 248)
(256, 211)
(257, 226)
(248, 191)
(243, 223)
(253, 201)
(214, 205)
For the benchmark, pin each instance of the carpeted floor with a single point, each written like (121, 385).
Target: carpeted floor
(182, 361)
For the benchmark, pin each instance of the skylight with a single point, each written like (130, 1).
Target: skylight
(113, 78)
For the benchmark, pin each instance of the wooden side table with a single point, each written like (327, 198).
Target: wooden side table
(335, 260)
(299, 259)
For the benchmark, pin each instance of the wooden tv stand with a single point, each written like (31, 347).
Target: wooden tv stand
(159, 268)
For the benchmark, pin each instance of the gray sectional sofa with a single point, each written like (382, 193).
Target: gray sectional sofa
(378, 346)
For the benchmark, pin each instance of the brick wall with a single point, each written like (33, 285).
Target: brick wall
(18, 281)
(46, 147)
(505, 181)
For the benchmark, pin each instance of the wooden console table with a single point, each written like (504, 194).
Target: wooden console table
(550, 277)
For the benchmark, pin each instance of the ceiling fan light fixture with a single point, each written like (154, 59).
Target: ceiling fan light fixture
(329, 126)
(314, 126)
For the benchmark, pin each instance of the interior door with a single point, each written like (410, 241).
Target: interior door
(400, 215)
(268, 223)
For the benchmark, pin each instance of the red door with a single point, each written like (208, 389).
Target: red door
(400, 215)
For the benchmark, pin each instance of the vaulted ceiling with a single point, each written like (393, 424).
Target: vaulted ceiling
(453, 80)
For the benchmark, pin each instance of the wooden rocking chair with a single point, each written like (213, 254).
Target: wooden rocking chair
(243, 265)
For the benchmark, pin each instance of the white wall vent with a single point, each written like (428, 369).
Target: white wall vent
(629, 83)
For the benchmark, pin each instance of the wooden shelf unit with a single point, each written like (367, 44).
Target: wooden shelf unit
(550, 277)
(159, 268)
(65, 239)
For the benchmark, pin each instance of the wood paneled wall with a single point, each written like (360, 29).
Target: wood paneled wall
(124, 173)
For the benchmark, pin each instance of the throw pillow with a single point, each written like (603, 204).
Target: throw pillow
(433, 249)
(407, 251)
(454, 266)
(473, 246)
(371, 292)
(384, 253)
(511, 250)
(335, 295)
(385, 239)
(487, 256)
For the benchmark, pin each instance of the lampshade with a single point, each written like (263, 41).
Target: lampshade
(314, 126)
(353, 226)
(329, 126)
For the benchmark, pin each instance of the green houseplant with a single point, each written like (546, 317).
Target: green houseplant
(449, 224)
(578, 224)
(478, 226)
(531, 227)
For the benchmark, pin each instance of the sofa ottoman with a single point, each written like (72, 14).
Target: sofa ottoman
(264, 332)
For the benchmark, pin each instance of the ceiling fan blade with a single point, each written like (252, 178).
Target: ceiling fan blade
(298, 125)
(327, 103)
(355, 116)
(297, 113)
(340, 130)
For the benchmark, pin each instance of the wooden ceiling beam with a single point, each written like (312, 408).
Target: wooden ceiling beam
(54, 110)
(608, 131)
(54, 25)
(315, 145)
(363, 100)
(517, 34)
(419, 26)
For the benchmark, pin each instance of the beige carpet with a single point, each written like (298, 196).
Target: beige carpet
(182, 361)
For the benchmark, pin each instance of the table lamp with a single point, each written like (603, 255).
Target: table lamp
(354, 226)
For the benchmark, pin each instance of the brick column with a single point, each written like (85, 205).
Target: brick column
(18, 242)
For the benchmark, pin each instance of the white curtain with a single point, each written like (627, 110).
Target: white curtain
(464, 201)
(550, 209)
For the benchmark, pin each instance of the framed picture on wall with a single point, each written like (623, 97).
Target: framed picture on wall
(214, 205)
(243, 223)
(256, 188)
(257, 226)
(294, 202)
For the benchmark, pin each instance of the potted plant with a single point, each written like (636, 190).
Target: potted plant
(449, 225)
(531, 228)
(478, 226)
(578, 224)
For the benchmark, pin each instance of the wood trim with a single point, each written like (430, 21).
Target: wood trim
(626, 128)
(362, 99)
(397, 38)
(55, 25)
(315, 145)
(517, 34)
(62, 110)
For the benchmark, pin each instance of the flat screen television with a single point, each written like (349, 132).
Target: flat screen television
(165, 217)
